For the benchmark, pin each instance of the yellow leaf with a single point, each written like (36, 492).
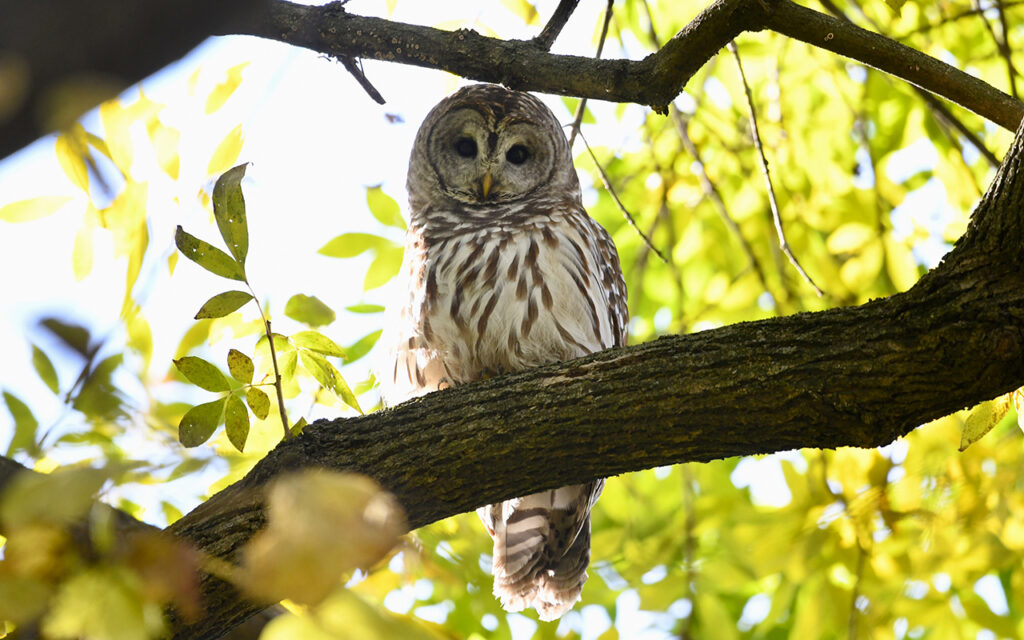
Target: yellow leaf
(983, 418)
(71, 154)
(900, 263)
(81, 253)
(227, 151)
(850, 237)
(165, 145)
(32, 208)
(523, 9)
(117, 124)
(321, 525)
(223, 90)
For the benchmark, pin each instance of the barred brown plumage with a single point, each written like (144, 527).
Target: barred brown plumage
(504, 270)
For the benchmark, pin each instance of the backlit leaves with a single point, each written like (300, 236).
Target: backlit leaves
(240, 366)
(199, 422)
(222, 304)
(207, 256)
(321, 526)
(229, 212)
(202, 373)
(226, 153)
(309, 310)
(32, 208)
(384, 208)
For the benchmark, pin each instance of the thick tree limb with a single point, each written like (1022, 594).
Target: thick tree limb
(139, 42)
(655, 81)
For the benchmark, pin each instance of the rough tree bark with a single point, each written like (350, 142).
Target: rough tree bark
(121, 40)
(858, 376)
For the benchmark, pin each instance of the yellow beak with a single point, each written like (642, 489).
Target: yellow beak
(485, 184)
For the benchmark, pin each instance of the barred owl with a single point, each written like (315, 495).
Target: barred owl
(504, 270)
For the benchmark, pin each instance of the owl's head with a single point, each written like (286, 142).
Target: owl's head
(486, 145)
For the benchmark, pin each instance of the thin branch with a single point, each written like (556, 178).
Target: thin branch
(357, 72)
(549, 34)
(1004, 47)
(711, 191)
(966, 13)
(783, 243)
(582, 106)
(1000, 46)
(611, 190)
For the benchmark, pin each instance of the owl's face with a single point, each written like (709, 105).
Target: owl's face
(486, 145)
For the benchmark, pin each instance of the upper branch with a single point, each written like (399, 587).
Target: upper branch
(655, 81)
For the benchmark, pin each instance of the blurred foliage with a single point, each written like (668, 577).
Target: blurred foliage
(914, 540)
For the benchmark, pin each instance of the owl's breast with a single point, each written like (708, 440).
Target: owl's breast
(503, 300)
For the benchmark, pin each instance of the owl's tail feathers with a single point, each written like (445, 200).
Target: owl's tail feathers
(532, 566)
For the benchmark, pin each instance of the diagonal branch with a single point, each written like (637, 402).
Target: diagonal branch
(655, 81)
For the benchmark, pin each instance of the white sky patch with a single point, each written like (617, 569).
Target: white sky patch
(763, 476)
(991, 591)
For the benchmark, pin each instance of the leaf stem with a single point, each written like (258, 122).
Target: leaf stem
(277, 371)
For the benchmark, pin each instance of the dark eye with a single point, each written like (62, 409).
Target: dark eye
(465, 147)
(517, 154)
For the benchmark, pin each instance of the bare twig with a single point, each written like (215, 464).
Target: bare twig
(582, 106)
(611, 190)
(967, 13)
(550, 32)
(783, 243)
(711, 191)
(357, 72)
(1004, 47)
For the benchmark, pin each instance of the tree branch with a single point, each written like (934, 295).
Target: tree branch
(655, 81)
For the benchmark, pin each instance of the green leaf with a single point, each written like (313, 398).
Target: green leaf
(362, 346)
(207, 256)
(229, 211)
(25, 425)
(299, 425)
(45, 369)
(309, 310)
(226, 153)
(240, 366)
(384, 208)
(199, 422)
(318, 366)
(202, 373)
(328, 377)
(349, 245)
(365, 308)
(259, 402)
(222, 304)
(73, 335)
(316, 341)
(384, 267)
(32, 208)
(236, 422)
